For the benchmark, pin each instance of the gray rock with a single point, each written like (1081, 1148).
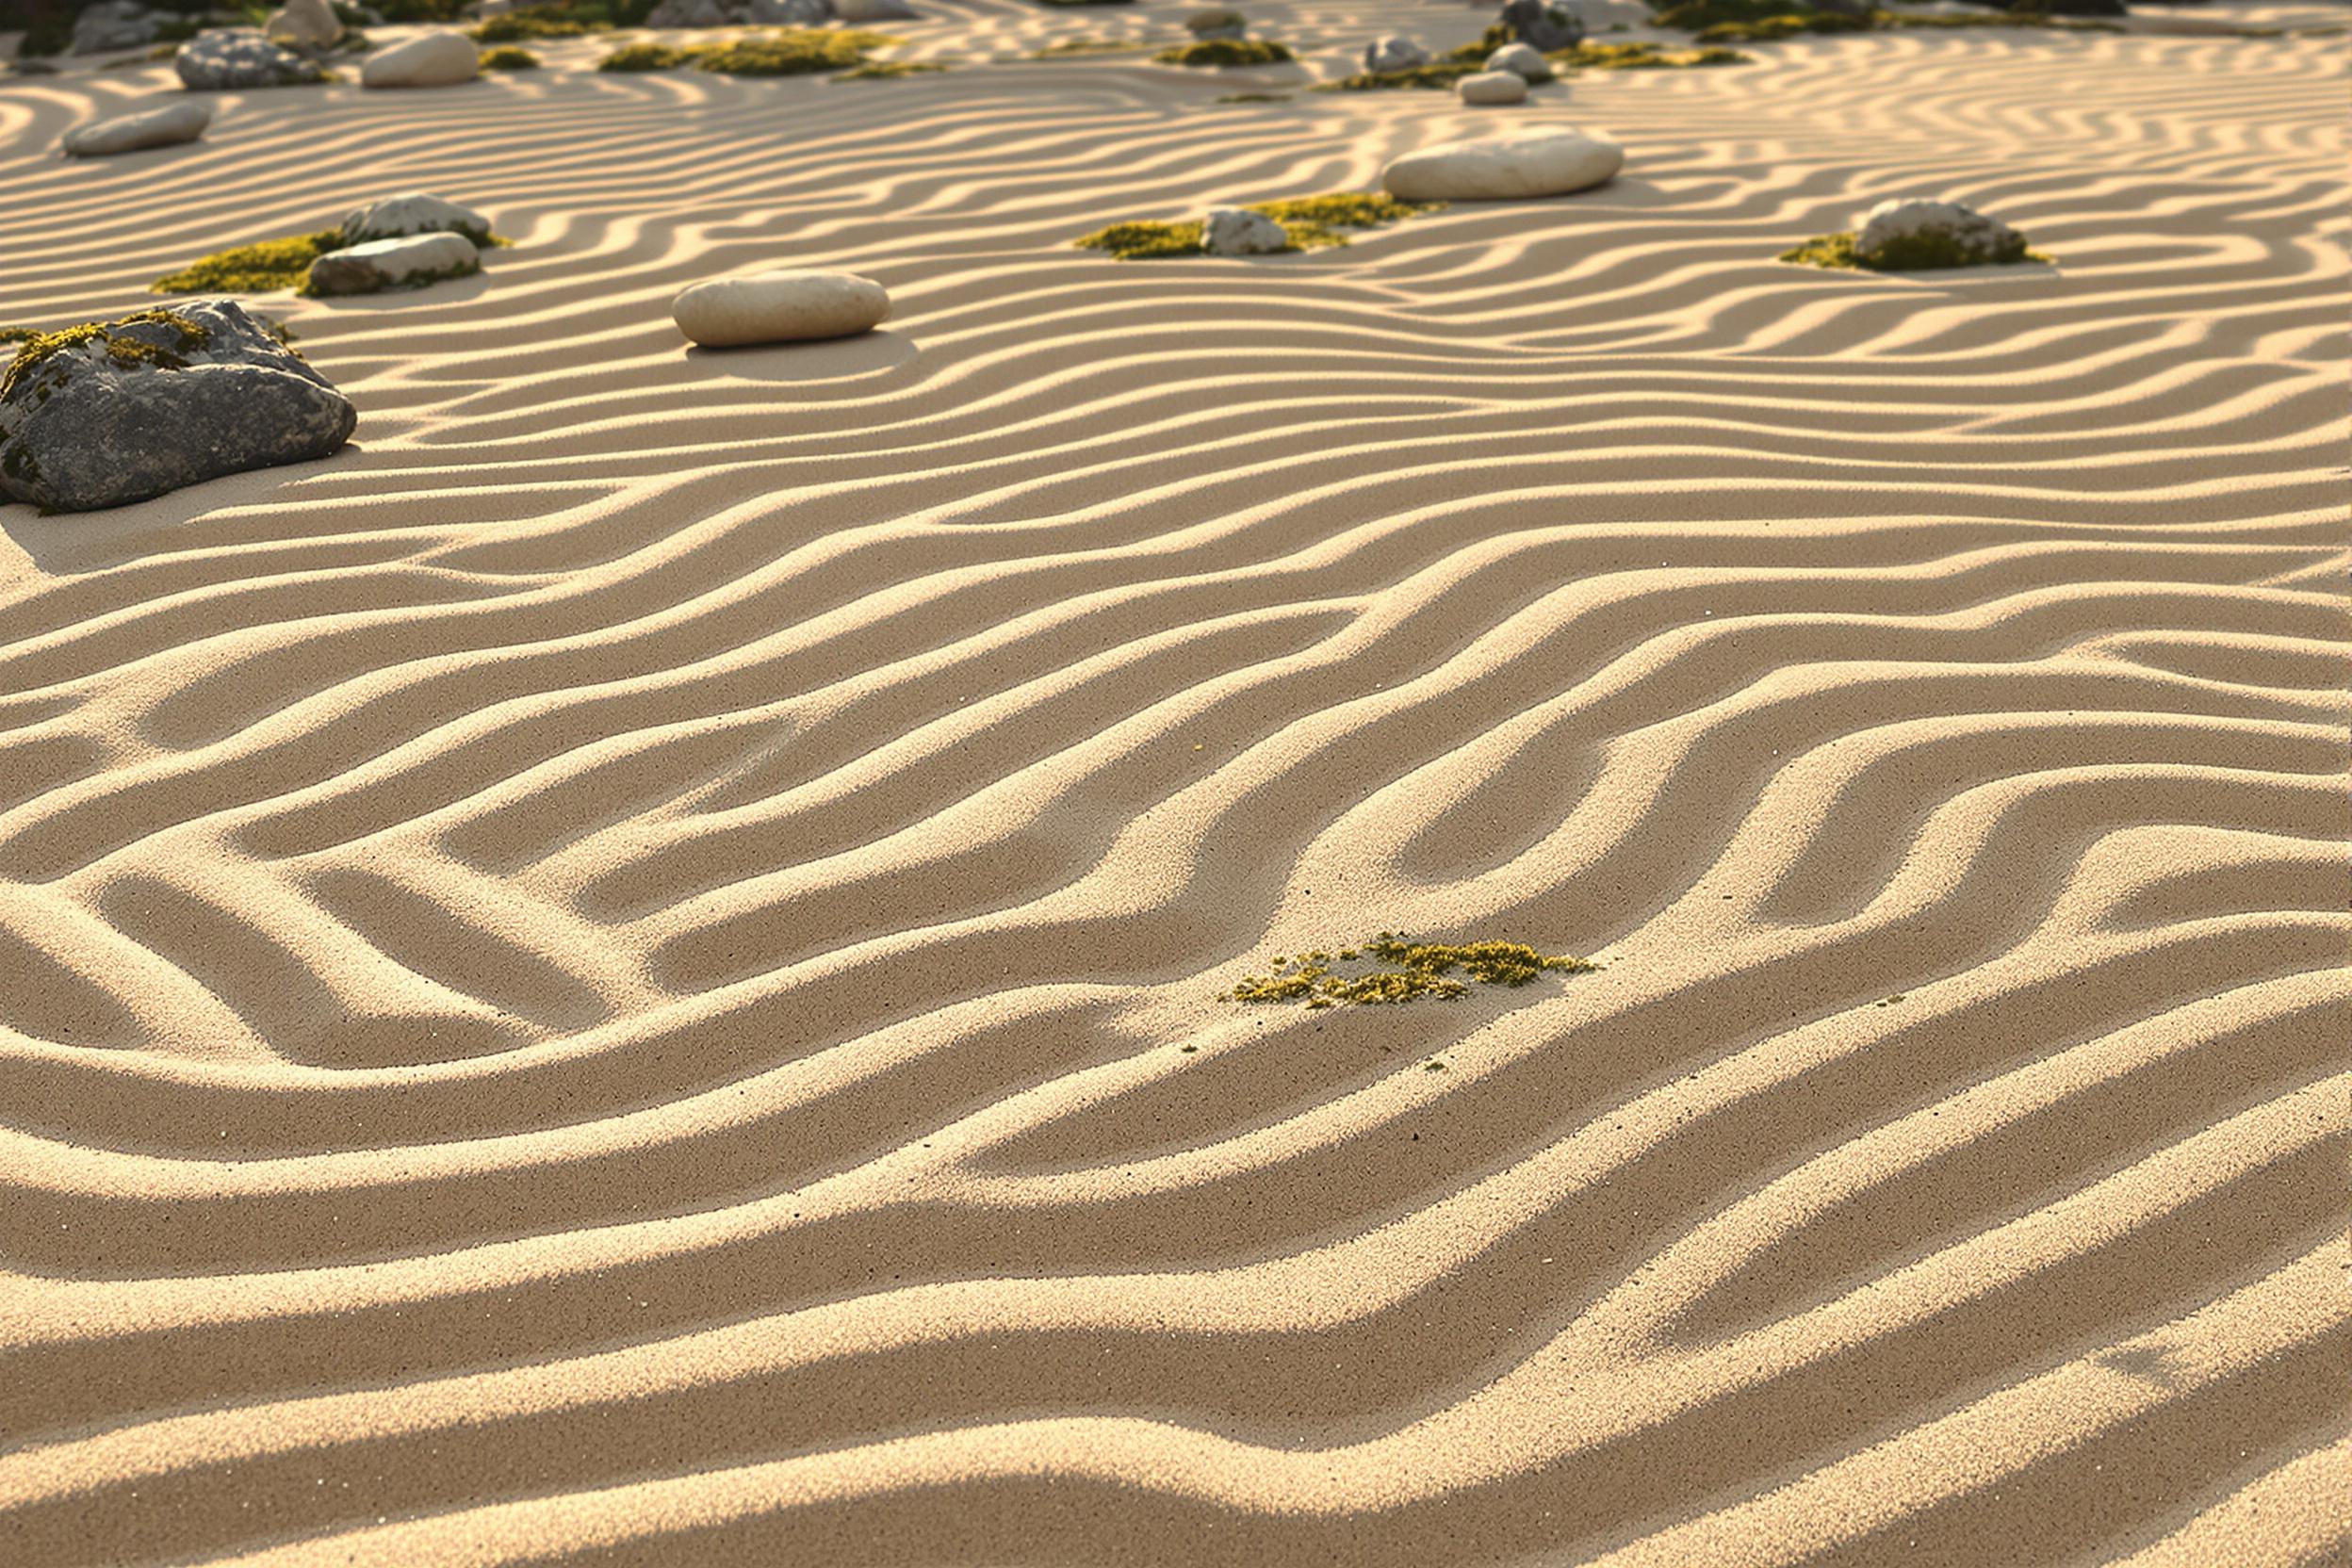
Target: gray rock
(1521, 61)
(741, 13)
(875, 10)
(157, 401)
(130, 133)
(307, 26)
(1239, 231)
(230, 57)
(410, 261)
(115, 24)
(437, 58)
(1393, 52)
(1545, 26)
(1913, 233)
(1217, 24)
(414, 213)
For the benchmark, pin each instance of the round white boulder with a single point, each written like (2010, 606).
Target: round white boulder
(1494, 86)
(129, 133)
(434, 59)
(1504, 168)
(779, 307)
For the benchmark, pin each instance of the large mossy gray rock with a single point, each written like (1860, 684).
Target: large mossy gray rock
(232, 57)
(109, 414)
(1911, 235)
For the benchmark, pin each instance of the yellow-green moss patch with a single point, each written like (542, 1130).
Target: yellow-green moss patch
(254, 269)
(1393, 968)
(792, 52)
(534, 22)
(509, 59)
(884, 69)
(1217, 53)
(1311, 222)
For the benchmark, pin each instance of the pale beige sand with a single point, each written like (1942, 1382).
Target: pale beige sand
(602, 975)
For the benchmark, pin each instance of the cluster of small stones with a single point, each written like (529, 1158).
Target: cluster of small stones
(1421, 970)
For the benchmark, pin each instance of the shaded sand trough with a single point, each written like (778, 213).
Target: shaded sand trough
(606, 972)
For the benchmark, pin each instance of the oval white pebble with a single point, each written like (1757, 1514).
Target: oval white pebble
(1494, 86)
(1504, 168)
(779, 307)
(430, 60)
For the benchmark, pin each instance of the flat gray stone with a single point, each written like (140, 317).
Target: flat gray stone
(131, 132)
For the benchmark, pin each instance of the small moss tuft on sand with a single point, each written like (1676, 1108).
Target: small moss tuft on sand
(509, 59)
(1313, 223)
(1419, 971)
(534, 22)
(1218, 53)
(791, 52)
(254, 269)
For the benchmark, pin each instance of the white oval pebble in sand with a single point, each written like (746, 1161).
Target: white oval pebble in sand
(779, 307)
(129, 133)
(435, 60)
(1502, 168)
(1494, 86)
(1521, 61)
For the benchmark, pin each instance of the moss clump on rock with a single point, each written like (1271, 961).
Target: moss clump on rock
(254, 269)
(35, 347)
(509, 59)
(1918, 253)
(1416, 971)
(1218, 53)
(1311, 222)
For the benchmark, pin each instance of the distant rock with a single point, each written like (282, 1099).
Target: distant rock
(104, 416)
(1521, 61)
(231, 57)
(414, 213)
(1502, 168)
(131, 132)
(1492, 88)
(430, 60)
(862, 12)
(779, 307)
(309, 25)
(1906, 235)
(742, 14)
(1393, 52)
(1544, 27)
(1239, 231)
(408, 262)
(1218, 23)
(116, 24)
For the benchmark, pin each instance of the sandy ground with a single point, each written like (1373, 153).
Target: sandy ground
(626, 971)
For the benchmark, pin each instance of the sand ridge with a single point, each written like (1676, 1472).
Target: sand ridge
(603, 975)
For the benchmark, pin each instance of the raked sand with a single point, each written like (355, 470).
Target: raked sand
(606, 974)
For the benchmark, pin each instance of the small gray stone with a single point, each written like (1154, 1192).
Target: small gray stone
(229, 57)
(130, 133)
(875, 10)
(1523, 61)
(414, 213)
(158, 400)
(1545, 27)
(1393, 52)
(307, 26)
(410, 261)
(1239, 231)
